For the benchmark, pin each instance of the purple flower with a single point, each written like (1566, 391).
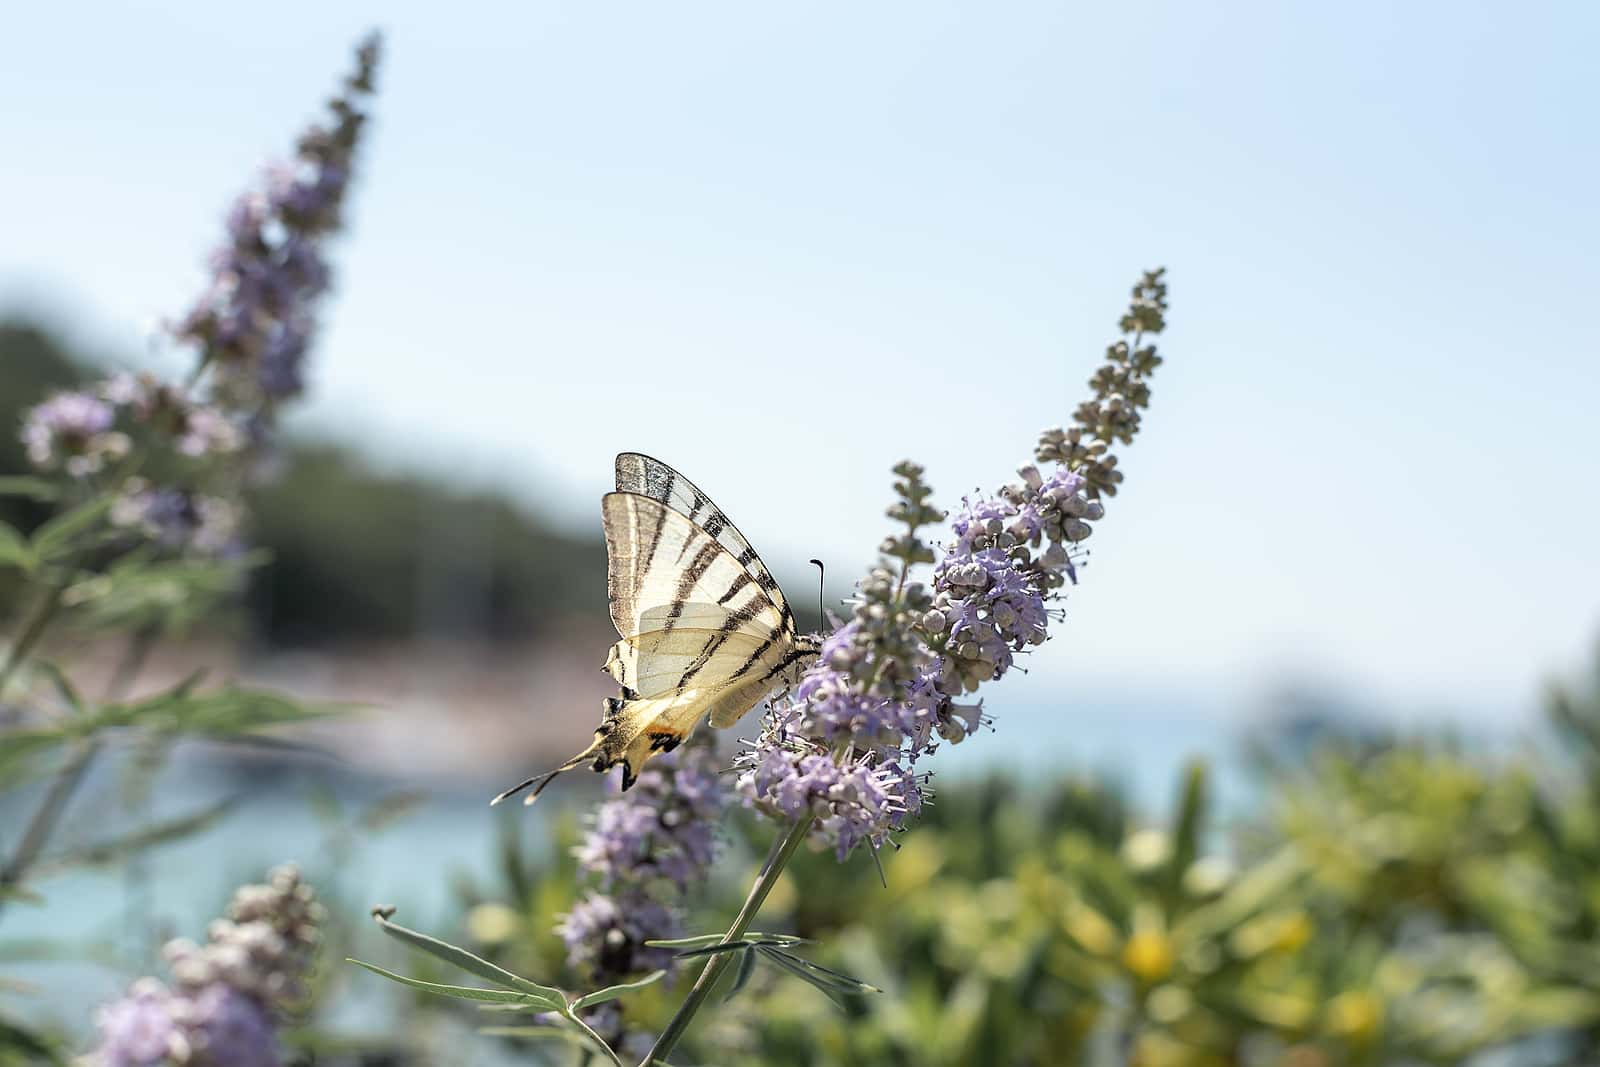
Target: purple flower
(605, 934)
(73, 430)
(989, 609)
(983, 519)
(228, 990)
(645, 848)
(835, 708)
(232, 1029)
(844, 748)
(861, 800)
(139, 1029)
(177, 518)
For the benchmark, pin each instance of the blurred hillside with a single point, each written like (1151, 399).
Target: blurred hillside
(356, 555)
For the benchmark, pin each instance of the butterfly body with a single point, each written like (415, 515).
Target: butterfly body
(704, 631)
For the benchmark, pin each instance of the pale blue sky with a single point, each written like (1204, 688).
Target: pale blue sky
(783, 247)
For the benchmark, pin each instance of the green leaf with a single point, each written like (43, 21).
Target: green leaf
(32, 488)
(823, 978)
(21, 894)
(389, 808)
(39, 1049)
(57, 537)
(174, 594)
(600, 996)
(459, 992)
(697, 941)
(736, 946)
(705, 940)
(117, 849)
(466, 961)
(15, 550)
(225, 712)
(1187, 824)
(22, 751)
(787, 963)
(747, 967)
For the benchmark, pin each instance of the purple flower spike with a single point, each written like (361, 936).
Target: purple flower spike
(255, 324)
(644, 850)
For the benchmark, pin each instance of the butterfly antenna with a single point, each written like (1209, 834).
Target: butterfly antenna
(822, 576)
(539, 781)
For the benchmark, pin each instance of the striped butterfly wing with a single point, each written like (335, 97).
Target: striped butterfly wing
(647, 476)
(692, 619)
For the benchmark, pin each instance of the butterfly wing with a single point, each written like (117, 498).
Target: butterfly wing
(666, 573)
(647, 476)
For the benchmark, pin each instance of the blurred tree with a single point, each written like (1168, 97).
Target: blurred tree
(355, 555)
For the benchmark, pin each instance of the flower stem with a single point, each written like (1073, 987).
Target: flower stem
(719, 962)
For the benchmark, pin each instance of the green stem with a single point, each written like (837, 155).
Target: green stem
(32, 630)
(54, 804)
(47, 814)
(720, 961)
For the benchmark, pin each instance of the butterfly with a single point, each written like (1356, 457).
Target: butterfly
(705, 631)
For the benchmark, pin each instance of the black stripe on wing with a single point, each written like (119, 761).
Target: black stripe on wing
(648, 476)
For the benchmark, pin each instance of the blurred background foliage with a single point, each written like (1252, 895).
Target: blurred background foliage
(353, 554)
(1389, 900)
(1385, 900)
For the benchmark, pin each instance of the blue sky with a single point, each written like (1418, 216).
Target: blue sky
(783, 247)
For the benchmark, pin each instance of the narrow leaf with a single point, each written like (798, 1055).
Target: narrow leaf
(22, 753)
(600, 996)
(844, 980)
(701, 940)
(787, 964)
(817, 975)
(20, 893)
(459, 992)
(14, 1037)
(747, 967)
(390, 807)
(119, 848)
(712, 950)
(31, 488)
(736, 946)
(15, 550)
(55, 538)
(460, 957)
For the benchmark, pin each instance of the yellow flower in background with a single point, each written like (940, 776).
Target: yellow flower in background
(1148, 956)
(1355, 1015)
